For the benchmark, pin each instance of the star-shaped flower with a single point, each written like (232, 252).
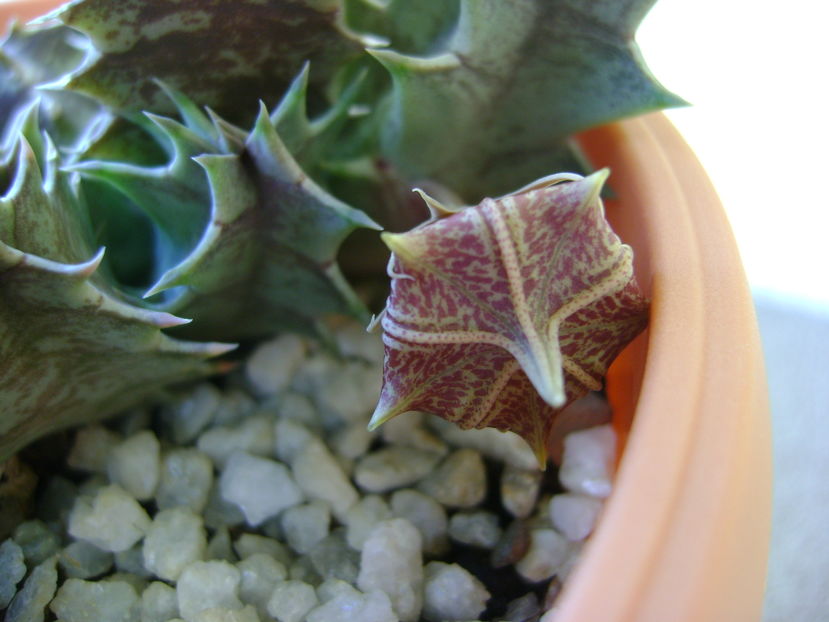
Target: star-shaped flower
(502, 314)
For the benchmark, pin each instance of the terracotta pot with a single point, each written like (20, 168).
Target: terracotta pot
(684, 537)
(24, 10)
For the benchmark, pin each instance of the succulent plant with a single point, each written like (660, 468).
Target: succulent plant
(207, 160)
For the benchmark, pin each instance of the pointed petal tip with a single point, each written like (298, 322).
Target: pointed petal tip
(379, 417)
(540, 451)
(593, 185)
(599, 177)
(436, 208)
(394, 241)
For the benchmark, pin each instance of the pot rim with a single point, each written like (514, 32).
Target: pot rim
(684, 535)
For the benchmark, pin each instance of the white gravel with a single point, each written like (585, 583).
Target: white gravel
(547, 553)
(158, 603)
(204, 585)
(175, 539)
(393, 467)
(82, 560)
(519, 490)
(103, 601)
(112, 520)
(392, 563)
(135, 464)
(38, 590)
(273, 364)
(90, 451)
(186, 478)
(451, 593)
(362, 517)
(459, 481)
(290, 601)
(574, 515)
(320, 476)
(260, 574)
(305, 525)
(426, 514)
(260, 487)
(479, 529)
(587, 462)
(269, 500)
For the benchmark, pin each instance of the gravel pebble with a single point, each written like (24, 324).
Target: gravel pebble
(12, 570)
(112, 520)
(220, 547)
(90, 450)
(175, 539)
(505, 447)
(408, 430)
(234, 404)
(158, 603)
(221, 513)
(350, 394)
(260, 487)
(135, 464)
(253, 435)
(519, 490)
(587, 462)
(29, 603)
(305, 525)
(204, 585)
(451, 593)
(526, 608)
(260, 574)
(392, 562)
(547, 552)
(82, 560)
(459, 481)
(332, 588)
(513, 544)
(185, 417)
(352, 441)
(362, 517)
(332, 558)
(373, 606)
(272, 365)
(291, 601)
(36, 540)
(320, 476)
(223, 614)
(249, 544)
(303, 570)
(186, 478)
(479, 528)
(354, 341)
(393, 467)
(426, 514)
(290, 438)
(574, 515)
(103, 601)
(131, 561)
